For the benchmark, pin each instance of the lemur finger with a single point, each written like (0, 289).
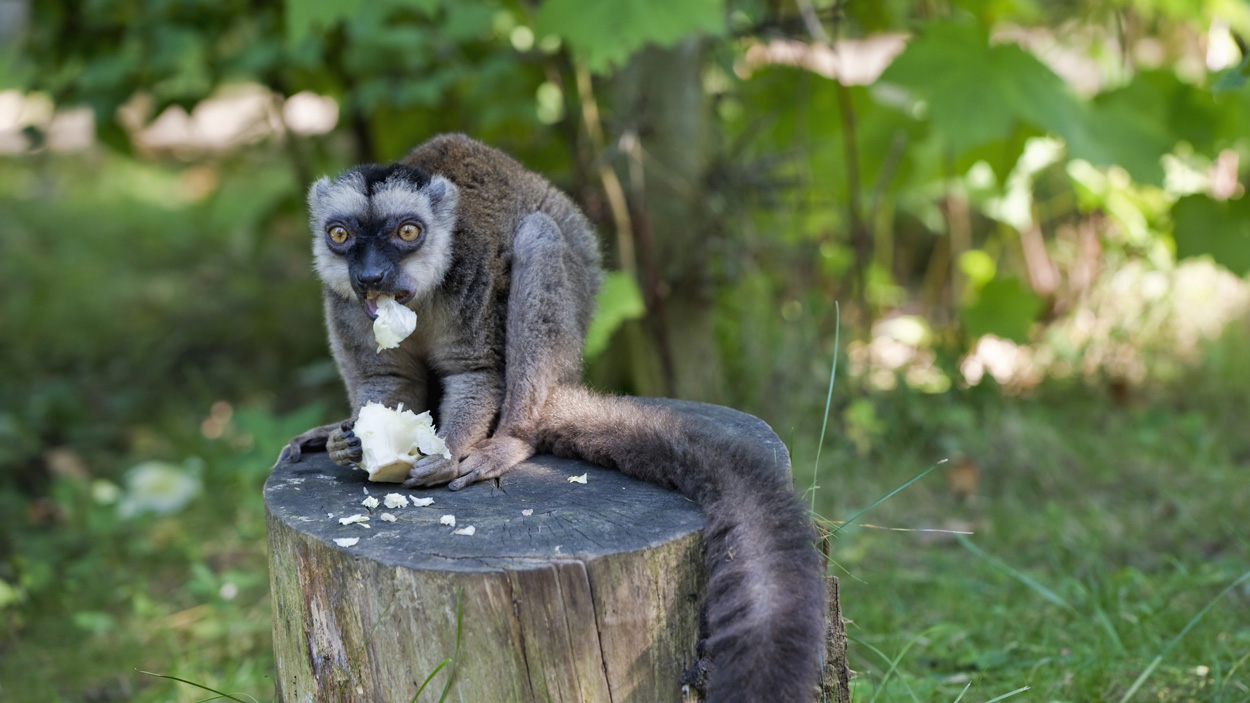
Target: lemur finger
(344, 447)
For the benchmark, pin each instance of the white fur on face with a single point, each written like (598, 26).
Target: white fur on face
(426, 267)
(332, 269)
(341, 197)
(397, 199)
(329, 200)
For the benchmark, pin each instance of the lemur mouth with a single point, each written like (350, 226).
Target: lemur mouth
(371, 300)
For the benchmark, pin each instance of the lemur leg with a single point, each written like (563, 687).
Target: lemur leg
(544, 346)
(470, 402)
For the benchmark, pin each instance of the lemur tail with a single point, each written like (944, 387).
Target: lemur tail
(765, 601)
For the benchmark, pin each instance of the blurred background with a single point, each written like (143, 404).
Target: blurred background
(1019, 227)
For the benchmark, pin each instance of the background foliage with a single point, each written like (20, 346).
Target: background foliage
(1032, 215)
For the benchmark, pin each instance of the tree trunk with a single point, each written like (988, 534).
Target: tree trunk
(592, 596)
(664, 135)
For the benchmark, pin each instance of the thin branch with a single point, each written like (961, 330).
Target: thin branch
(612, 189)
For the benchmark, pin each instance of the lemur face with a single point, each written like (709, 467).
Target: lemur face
(382, 230)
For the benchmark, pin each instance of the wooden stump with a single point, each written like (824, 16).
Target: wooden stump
(593, 596)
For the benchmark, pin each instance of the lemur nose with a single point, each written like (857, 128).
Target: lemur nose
(370, 278)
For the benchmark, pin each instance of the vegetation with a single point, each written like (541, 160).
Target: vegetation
(1032, 215)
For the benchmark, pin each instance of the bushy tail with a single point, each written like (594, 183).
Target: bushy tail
(765, 604)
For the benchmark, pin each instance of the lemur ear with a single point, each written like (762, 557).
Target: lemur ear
(443, 195)
(318, 191)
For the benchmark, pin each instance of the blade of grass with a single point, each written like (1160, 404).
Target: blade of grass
(837, 329)
(1107, 626)
(1008, 695)
(455, 658)
(893, 663)
(199, 686)
(449, 661)
(1011, 571)
(426, 682)
(885, 497)
(1154, 663)
(961, 693)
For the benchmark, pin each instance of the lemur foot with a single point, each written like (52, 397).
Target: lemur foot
(490, 459)
(432, 471)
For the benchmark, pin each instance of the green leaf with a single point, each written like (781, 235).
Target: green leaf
(1221, 230)
(303, 16)
(980, 94)
(619, 300)
(606, 33)
(1005, 308)
(977, 93)
(1234, 78)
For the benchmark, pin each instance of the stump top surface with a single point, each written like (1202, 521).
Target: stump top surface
(609, 514)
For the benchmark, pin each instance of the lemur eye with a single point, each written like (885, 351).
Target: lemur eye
(338, 234)
(409, 231)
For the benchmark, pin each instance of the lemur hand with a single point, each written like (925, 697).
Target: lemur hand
(344, 445)
(336, 438)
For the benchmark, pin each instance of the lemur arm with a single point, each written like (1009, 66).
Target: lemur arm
(543, 346)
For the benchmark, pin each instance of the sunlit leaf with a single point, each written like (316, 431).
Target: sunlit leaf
(619, 300)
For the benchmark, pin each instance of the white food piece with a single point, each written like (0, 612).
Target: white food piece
(466, 531)
(577, 479)
(393, 324)
(422, 502)
(387, 517)
(392, 440)
(370, 502)
(448, 520)
(354, 520)
(527, 512)
(346, 541)
(395, 500)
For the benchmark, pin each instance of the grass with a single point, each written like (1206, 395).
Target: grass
(1101, 533)
(1108, 537)
(1107, 560)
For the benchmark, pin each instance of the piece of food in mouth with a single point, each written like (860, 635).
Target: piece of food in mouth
(393, 324)
(392, 440)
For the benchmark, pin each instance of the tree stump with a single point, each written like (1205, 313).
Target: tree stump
(592, 596)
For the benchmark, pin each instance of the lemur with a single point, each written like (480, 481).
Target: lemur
(502, 268)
